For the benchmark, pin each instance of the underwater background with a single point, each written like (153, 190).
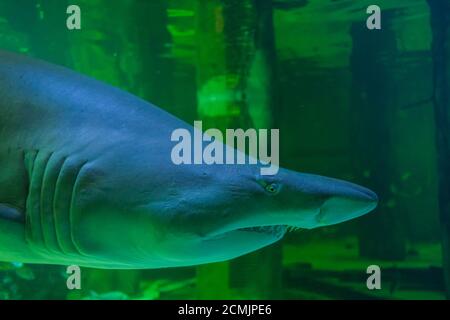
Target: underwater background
(350, 103)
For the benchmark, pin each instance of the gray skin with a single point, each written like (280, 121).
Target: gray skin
(86, 178)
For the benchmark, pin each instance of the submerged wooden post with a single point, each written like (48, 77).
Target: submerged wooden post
(373, 101)
(259, 275)
(216, 107)
(440, 26)
(234, 80)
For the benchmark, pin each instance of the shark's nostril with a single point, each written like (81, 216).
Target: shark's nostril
(319, 217)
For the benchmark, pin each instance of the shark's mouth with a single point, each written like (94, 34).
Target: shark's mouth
(275, 231)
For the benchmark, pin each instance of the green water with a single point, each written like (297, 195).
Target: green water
(350, 103)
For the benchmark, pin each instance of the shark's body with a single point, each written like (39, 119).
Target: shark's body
(86, 178)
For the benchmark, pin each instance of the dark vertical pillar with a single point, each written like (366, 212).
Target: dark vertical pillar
(440, 25)
(217, 106)
(148, 32)
(259, 274)
(373, 101)
(234, 71)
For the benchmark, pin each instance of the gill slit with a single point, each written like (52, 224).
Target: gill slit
(71, 207)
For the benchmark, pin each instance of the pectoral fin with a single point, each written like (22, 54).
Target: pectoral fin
(8, 212)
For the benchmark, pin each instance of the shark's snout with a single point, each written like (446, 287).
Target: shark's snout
(346, 201)
(324, 201)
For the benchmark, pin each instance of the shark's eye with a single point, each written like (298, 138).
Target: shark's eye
(273, 188)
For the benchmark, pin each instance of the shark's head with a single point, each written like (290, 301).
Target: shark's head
(193, 214)
(229, 212)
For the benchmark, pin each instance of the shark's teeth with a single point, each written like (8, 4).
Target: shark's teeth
(292, 228)
(278, 230)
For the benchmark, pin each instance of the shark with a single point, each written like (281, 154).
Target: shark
(86, 178)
